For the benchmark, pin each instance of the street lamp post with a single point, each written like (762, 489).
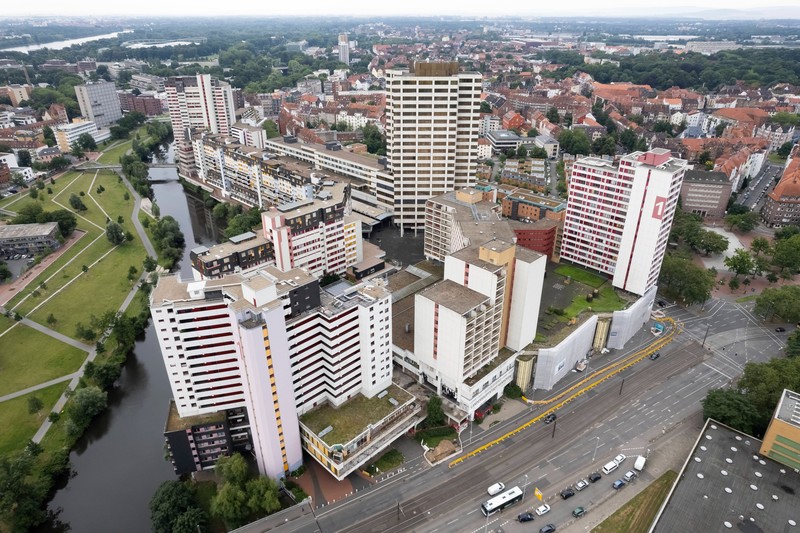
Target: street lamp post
(597, 443)
(524, 487)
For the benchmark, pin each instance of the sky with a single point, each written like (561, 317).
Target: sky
(577, 8)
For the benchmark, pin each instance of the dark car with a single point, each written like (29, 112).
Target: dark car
(595, 477)
(618, 484)
(578, 512)
(654, 356)
(525, 517)
(780, 329)
(567, 494)
(550, 418)
(662, 303)
(549, 528)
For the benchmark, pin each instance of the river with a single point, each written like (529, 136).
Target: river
(118, 464)
(60, 45)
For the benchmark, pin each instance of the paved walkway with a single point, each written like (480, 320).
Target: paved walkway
(56, 335)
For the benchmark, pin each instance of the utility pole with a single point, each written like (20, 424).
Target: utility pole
(708, 327)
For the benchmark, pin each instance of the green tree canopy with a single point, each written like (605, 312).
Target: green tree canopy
(230, 504)
(435, 412)
(731, 408)
(781, 301)
(233, 469)
(740, 263)
(684, 279)
(115, 233)
(171, 500)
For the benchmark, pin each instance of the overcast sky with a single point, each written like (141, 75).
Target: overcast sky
(576, 8)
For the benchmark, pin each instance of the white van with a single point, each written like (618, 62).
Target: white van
(639, 464)
(497, 488)
(610, 467)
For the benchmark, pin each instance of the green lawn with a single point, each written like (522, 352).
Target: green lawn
(101, 289)
(581, 275)
(388, 461)
(637, 515)
(28, 358)
(745, 299)
(606, 302)
(112, 155)
(18, 200)
(5, 323)
(18, 424)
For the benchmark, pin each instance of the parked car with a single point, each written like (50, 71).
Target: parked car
(582, 484)
(543, 509)
(549, 528)
(525, 517)
(629, 476)
(567, 493)
(618, 484)
(595, 477)
(578, 512)
(654, 356)
(618, 459)
(550, 418)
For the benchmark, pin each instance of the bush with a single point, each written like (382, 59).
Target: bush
(298, 472)
(512, 391)
(442, 431)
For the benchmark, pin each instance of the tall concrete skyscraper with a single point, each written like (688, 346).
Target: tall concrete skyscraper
(344, 48)
(198, 102)
(99, 102)
(618, 218)
(432, 123)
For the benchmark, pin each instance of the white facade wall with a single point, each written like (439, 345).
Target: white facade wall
(375, 327)
(99, 102)
(193, 369)
(651, 208)
(554, 363)
(526, 298)
(627, 322)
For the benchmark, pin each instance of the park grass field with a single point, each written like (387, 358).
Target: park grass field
(29, 357)
(19, 426)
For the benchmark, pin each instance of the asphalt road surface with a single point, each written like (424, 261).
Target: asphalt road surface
(630, 413)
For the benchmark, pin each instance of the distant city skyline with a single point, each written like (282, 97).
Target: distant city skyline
(360, 8)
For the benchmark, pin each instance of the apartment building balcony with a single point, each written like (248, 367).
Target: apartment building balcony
(345, 438)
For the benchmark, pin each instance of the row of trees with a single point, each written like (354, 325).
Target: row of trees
(32, 213)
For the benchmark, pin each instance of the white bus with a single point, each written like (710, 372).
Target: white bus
(501, 501)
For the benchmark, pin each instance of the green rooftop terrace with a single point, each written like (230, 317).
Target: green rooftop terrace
(352, 418)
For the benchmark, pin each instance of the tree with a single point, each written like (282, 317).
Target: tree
(787, 254)
(85, 404)
(193, 520)
(740, 263)
(104, 373)
(76, 150)
(87, 142)
(781, 301)
(745, 222)
(785, 149)
(786, 232)
(793, 344)
(733, 284)
(262, 495)
(230, 504)
(485, 107)
(272, 129)
(712, 242)
(533, 132)
(35, 404)
(574, 142)
(759, 245)
(149, 264)
(233, 469)
(731, 408)
(552, 115)
(24, 158)
(662, 126)
(20, 499)
(435, 415)
(171, 500)
(689, 282)
(628, 139)
(763, 385)
(522, 152)
(76, 203)
(115, 233)
(49, 136)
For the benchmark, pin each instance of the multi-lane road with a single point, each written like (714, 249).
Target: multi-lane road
(629, 413)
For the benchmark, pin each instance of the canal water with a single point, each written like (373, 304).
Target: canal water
(119, 463)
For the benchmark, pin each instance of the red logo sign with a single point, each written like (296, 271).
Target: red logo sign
(658, 207)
